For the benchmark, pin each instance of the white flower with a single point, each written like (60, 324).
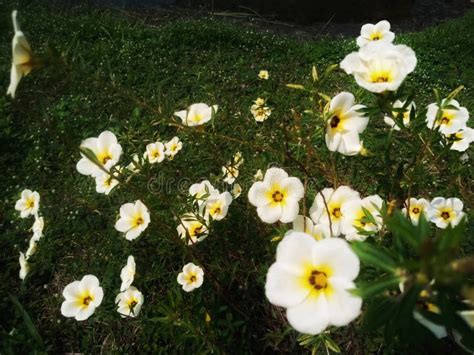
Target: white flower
(449, 120)
(134, 219)
(104, 183)
(107, 151)
(305, 225)
(28, 204)
(416, 209)
(312, 279)
(378, 32)
(354, 217)
(191, 278)
(173, 147)
(259, 111)
(462, 139)
(258, 175)
(444, 212)
(82, 298)
(129, 302)
(155, 152)
(230, 173)
(380, 66)
(127, 274)
(197, 114)
(344, 125)
(199, 190)
(217, 205)
(192, 229)
(38, 226)
(263, 74)
(134, 165)
(277, 196)
(335, 201)
(22, 57)
(236, 190)
(405, 116)
(24, 266)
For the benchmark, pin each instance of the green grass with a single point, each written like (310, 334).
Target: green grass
(128, 77)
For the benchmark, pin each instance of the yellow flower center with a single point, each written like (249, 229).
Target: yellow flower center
(376, 36)
(445, 215)
(138, 221)
(195, 229)
(277, 196)
(132, 303)
(318, 280)
(336, 212)
(415, 210)
(30, 202)
(215, 209)
(86, 300)
(381, 76)
(335, 121)
(104, 157)
(197, 118)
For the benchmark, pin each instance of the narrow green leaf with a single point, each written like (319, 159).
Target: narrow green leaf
(28, 321)
(373, 288)
(375, 256)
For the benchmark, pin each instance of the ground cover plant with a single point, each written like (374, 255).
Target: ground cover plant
(165, 262)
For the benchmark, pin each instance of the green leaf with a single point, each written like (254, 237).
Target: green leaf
(28, 321)
(404, 230)
(450, 238)
(370, 254)
(314, 73)
(454, 93)
(331, 345)
(370, 289)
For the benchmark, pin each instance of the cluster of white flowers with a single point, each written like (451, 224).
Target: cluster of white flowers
(129, 301)
(441, 211)
(231, 169)
(259, 110)
(197, 114)
(28, 205)
(191, 277)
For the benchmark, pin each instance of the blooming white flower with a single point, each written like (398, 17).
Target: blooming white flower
(191, 278)
(173, 147)
(354, 217)
(258, 175)
(155, 152)
(135, 164)
(236, 190)
(199, 190)
(404, 115)
(344, 125)
(444, 212)
(217, 205)
(197, 114)
(104, 183)
(38, 226)
(105, 148)
(193, 228)
(462, 139)
(416, 209)
(259, 111)
(312, 280)
(380, 66)
(129, 302)
(134, 219)
(24, 266)
(263, 74)
(127, 274)
(450, 120)
(305, 225)
(335, 201)
(22, 57)
(277, 196)
(82, 298)
(378, 32)
(28, 204)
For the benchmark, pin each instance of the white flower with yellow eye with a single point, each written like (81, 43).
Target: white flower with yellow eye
(312, 280)
(105, 148)
(217, 205)
(354, 217)
(380, 66)
(82, 298)
(259, 111)
(344, 125)
(173, 147)
(405, 115)
(38, 226)
(450, 120)
(28, 204)
(155, 152)
(191, 278)
(24, 266)
(328, 206)
(444, 212)
(135, 164)
(129, 302)
(236, 190)
(22, 57)
(306, 225)
(415, 208)
(277, 196)
(462, 139)
(263, 74)
(191, 229)
(105, 183)
(134, 219)
(378, 32)
(127, 274)
(199, 190)
(197, 114)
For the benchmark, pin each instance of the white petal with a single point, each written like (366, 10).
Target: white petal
(284, 288)
(295, 251)
(310, 316)
(270, 213)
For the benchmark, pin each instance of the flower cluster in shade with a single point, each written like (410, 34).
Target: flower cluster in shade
(260, 110)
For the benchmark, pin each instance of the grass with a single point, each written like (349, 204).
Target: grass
(128, 77)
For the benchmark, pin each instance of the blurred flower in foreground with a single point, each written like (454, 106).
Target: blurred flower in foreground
(417, 208)
(134, 219)
(196, 114)
(129, 302)
(127, 274)
(405, 116)
(312, 280)
(82, 298)
(378, 32)
(444, 212)
(277, 196)
(452, 118)
(173, 147)
(191, 278)
(22, 57)
(263, 74)
(259, 111)
(28, 204)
